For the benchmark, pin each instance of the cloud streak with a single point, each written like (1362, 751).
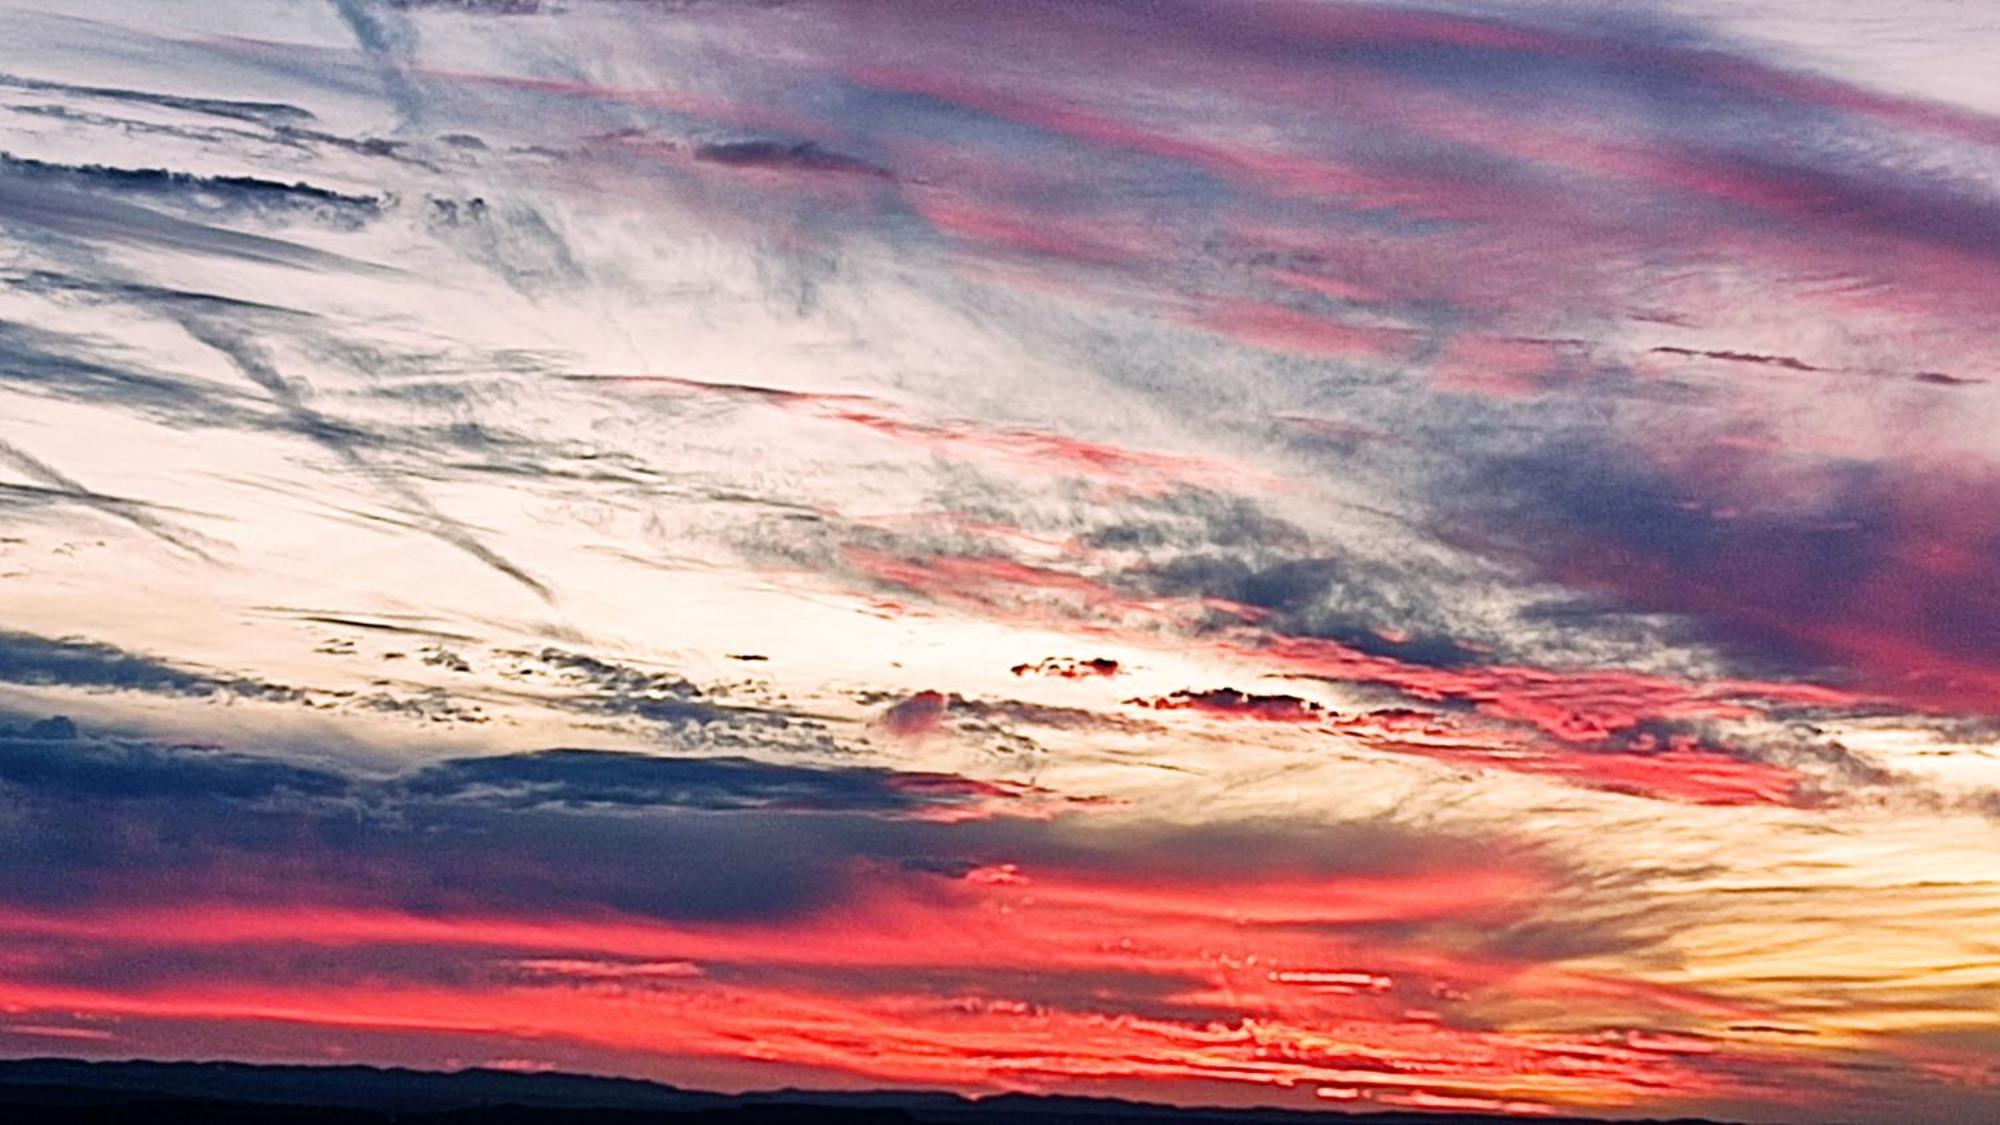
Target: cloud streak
(1309, 554)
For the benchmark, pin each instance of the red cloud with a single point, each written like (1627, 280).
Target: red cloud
(919, 715)
(1285, 329)
(1681, 771)
(1558, 723)
(1233, 981)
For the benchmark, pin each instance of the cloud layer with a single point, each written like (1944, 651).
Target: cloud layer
(1357, 554)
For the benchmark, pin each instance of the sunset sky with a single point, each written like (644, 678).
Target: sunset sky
(1249, 552)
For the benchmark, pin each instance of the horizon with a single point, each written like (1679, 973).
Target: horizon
(521, 1082)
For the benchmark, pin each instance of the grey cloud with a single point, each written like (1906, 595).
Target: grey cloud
(250, 357)
(611, 688)
(203, 195)
(266, 113)
(585, 778)
(570, 830)
(34, 361)
(510, 237)
(703, 840)
(37, 661)
(687, 715)
(146, 517)
(26, 201)
(797, 156)
(49, 760)
(389, 41)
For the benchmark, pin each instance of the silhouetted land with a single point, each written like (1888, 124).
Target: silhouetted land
(76, 1092)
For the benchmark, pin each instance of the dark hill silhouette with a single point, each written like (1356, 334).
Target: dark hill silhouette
(80, 1092)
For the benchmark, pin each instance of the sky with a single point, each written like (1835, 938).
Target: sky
(1301, 553)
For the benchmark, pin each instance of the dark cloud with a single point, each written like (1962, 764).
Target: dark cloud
(611, 678)
(695, 716)
(611, 688)
(1230, 551)
(568, 831)
(42, 662)
(795, 156)
(1940, 379)
(265, 113)
(1068, 667)
(1197, 520)
(1789, 363)
(479, 7)
(203, 194)
(1004, 717)
(1365, 605)
(377, 626)
(52, 762)
(1863, 571)
(605, 778)
(1230, 702)
(523, 832)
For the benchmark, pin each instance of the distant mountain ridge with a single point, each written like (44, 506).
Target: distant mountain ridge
(77, 1091)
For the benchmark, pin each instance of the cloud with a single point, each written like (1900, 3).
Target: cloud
(268, 113)
(41, 761)
(248, 355)
(1068, 667)
(389, 41)
(1230, 702)
(203, 194)
(1564, 428)
(796, 156)
(1870, 575)
(35, 204)
(59, 485)
(916, 716)
(594, 778)
(216, 883)
(513, 829)
(39, 661)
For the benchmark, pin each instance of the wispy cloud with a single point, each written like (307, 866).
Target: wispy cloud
(1298, 553)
